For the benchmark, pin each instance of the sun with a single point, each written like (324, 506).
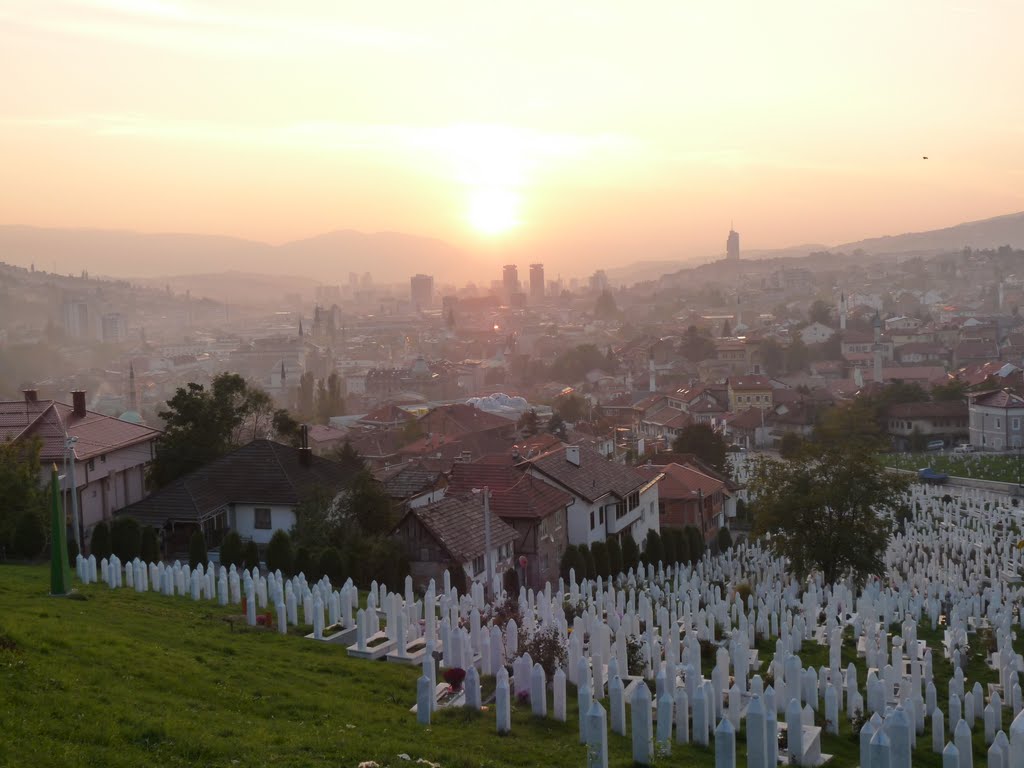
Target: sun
(493, 210)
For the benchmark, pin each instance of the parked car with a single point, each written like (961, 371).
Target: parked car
(964, 448)
(935, 445)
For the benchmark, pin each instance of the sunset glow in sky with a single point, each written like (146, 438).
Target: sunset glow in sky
(579, 133)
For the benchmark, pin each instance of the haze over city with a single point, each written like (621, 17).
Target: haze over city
(578, 134)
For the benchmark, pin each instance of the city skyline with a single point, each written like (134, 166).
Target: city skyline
(595, 136)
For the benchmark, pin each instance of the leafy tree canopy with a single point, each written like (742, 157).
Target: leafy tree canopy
(826, 510)
(705, 443)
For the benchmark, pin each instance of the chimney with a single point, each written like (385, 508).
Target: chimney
(572, 454)
(78, 401)
(305, 452)
(31, 395)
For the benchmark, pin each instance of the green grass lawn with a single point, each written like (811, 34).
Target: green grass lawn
(128, 679)
(1000, 468)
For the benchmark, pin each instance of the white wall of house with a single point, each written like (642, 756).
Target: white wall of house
(429, 497)
(243, 520)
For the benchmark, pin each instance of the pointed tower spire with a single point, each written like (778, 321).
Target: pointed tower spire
(132, 394)
(300, 327)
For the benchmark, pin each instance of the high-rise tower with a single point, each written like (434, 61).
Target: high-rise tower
(732, 246)
(537, 283)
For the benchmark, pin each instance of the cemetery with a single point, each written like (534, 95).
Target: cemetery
(727, 662)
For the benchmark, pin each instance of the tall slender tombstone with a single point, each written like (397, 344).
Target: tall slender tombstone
(950, 756)
(757, 748)
(964, 745)
(725, 744)
(682, 713)
(664, 730)
(938, 731)
(471, 685)
(424, 699)
(583, 701)
(642, 731)
(502, 702)
(881, 750)
(538, 691)
(597, 736)
(617, 706)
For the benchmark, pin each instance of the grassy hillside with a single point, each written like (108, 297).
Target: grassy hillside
(127, 679)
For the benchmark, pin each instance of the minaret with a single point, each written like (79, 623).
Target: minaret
(652, 378)
(133, 398)
(283, 375)
(739, 313)
(1000, 295)
(300, 327)
(877, 323)
(842, 311)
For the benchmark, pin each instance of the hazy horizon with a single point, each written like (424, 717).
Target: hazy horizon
(580, 135)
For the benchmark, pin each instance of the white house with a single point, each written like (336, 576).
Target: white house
(996, 419)
(253, 490)
(608, 499)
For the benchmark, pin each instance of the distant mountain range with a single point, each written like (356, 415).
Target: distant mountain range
(328, 258)
(390, 256)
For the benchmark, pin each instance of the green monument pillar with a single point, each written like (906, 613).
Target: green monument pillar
(60, 572)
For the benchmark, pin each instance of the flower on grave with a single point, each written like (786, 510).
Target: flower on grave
(523, 697)
(454, 677)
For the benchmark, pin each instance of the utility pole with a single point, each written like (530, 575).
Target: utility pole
(489, 584)
(69, 448)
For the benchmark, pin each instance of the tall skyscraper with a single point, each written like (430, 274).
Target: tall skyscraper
(732, 246)
(510, 279)
(537, 282)
(422, 290)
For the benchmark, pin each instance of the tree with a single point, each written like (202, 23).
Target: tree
(366, 502)
(231, 551)
(588, 561)
(348, 457)
(306, 401)
(331, 565)
(614, 556)
(797, 355)
(197, 549)
(668, 545)
(29, 535)
(705, 443)
(825, 510)
(251, 556)
(286, 428)
(20, 491)
(279, 553)
(790, 446)
(694, 543)
(99, 545)
(679, 543)
(820, 312)
(697, 345)
(303, 562)
(630, 553)
(773, 357)
(601, 566)
(654, 553)
(571, 407)
(724, 539)
(556, 427)
(953, 390)
(571, 560)
(573, 364)
(126, 538)
(605, 307)
(202, 425)
(527, 423)
(149, 550)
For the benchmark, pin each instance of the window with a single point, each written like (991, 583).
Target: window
(1016, 423)
(91, 466)
(103, 459)
(999, 423)
(424, 554)
(592, 526)
(600, 516)
(478, 564)
(261, 519)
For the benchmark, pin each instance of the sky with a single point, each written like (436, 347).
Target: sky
(582, 134)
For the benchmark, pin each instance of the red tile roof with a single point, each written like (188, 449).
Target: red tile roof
(457, 523)
(49, 421)
(514, 494)
(593, 478)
